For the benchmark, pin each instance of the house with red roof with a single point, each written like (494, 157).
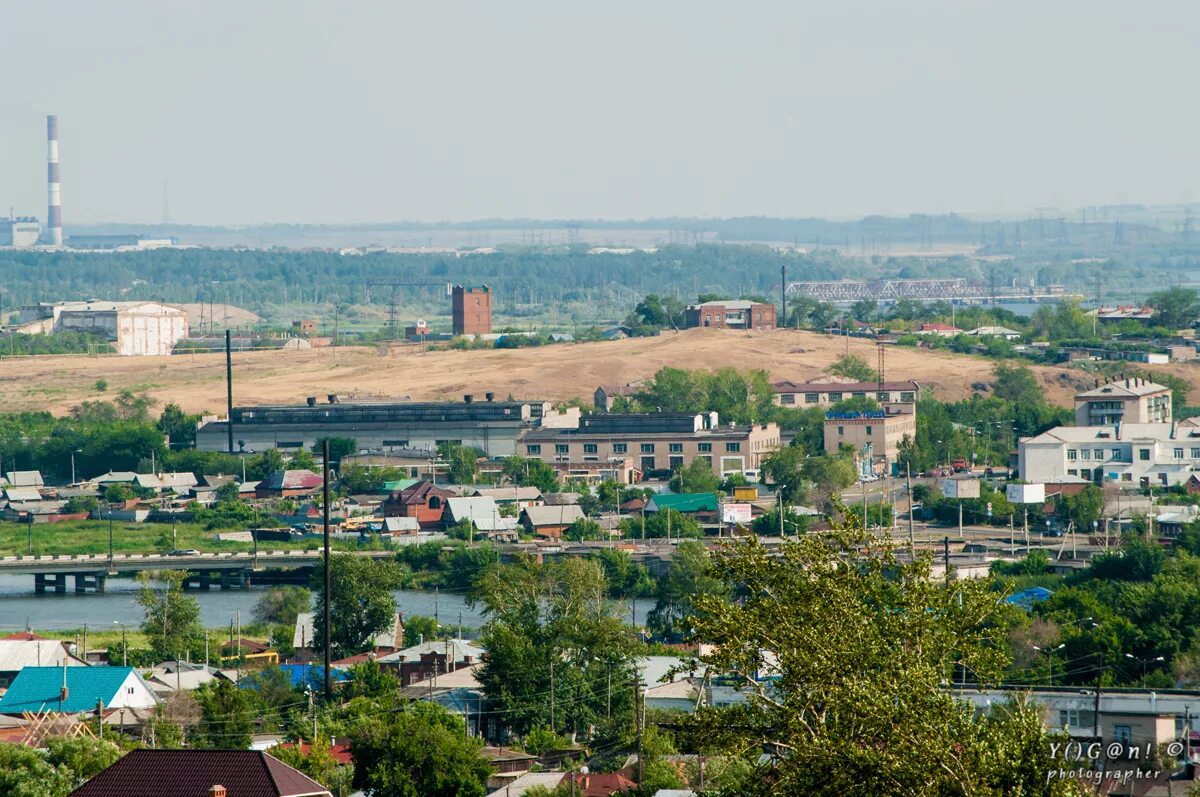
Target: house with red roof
(200, 773)
(288, 484)
(424, 501)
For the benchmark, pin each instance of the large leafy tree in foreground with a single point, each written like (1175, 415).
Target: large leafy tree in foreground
(852, 699)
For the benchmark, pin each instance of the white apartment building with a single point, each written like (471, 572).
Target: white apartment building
(1135, 454)
(1132, 400)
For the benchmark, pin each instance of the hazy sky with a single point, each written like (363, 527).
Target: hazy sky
(285, 110)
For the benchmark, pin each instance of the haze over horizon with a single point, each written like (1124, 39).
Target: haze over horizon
(308, 112)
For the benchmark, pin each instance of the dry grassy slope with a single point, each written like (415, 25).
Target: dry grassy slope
(554, 372)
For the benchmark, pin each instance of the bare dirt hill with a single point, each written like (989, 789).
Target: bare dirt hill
(196, 382)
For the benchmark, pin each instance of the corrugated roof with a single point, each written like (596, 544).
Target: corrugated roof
(561, 515)
(16, 654)
(39, 689)
(191, 773)
(683, 502)
(510, 493)
(22, 494)
(25, 478)
(291, 480)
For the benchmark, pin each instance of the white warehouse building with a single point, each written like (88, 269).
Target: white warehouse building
(135, 328)
(1135, 454)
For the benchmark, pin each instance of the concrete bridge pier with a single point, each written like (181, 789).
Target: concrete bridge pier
(90, 581)
(225, 579)
(54, 581)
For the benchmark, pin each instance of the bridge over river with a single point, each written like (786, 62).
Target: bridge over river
(227, 570)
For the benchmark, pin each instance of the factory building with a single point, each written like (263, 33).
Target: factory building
(135, 328)
(20, 231)
(471, 309)
(119, 242)
(491, 426)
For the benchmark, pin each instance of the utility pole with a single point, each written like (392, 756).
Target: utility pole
(85, 630)
(328, 575)
(229, 388)
(960, 526)
(1096, 708)
(552, 695)
(946, 557)
(912, 542)
(639, 719)
(1026, 530)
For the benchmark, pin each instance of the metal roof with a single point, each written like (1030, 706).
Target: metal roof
(192, 773)
(40, 689)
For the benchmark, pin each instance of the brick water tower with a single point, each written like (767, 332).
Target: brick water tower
(472, 310)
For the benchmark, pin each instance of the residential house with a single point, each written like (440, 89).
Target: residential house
(994, 332)
(613, 469)
(937, 328)
(519, 497)
(826, 391)
(458, 691)
(731, 314)
(424, 501)
(425, 659)
(550, 521)
(76, 689)
(483, 513)
(605, 396)
(560, 499)
(24, 478)
(386, 641)
(29, 650)
(526, 781)
(663, 442)
(200, 773)
(20, 495)
(178, 483)
(599, 784)
(288, 484)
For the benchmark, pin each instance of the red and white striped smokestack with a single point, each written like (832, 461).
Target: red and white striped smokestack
(53, 184)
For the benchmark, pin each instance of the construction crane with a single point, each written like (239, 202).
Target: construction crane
(394, 284)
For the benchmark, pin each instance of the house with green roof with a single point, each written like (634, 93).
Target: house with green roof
(688, 503)
(76, 689)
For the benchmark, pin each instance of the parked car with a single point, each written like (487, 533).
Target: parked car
(184, 552)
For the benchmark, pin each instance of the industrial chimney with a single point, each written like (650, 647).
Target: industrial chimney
(53, 184)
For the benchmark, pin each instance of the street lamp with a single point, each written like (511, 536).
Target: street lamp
(1144, 662)
(1050, 657)
(73, 453)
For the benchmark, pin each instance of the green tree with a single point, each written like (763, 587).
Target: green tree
(1175, 308)
(626, 578)
(526, 472)
(1082, 509)
(688, 577)
(854, 367)
(462, 462)
(784, 468)
(318, 763)
(420, 628)
(857, 669)
(24, 772)
(362, 601)
(584, 529)
(422, 752)
(1017, 384)
(695, 477)
(178, 426)
(280, 605)
(228, 716)
(669, 523)
(172, 617)
(555, 616)
(338, 447)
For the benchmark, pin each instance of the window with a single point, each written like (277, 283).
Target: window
(533, 448)
(787, 398)
(881, 396)
(841, 430)
(1085, 453)
(811, 398)
(647, 448)
(290, 444)
(1098, 454)
(675, 448)
(620, 448)
(835, 397)
(704, 448)
(676, 463)
(733, 447)
(1073, 472)
(1144, 454)
(395, 444)
(1072, 455)
(647, 464)
(562, 448)
(858, 394)
(1116, 453)
(1126, 477)
(869, 431)
(1196, 453)
(435, 502)
(589, 448)
(1179, 453)
(908, 396)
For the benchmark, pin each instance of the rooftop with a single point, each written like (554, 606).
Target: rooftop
(192, 773)
(1123, 388)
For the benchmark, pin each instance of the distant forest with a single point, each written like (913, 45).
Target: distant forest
(569, 285)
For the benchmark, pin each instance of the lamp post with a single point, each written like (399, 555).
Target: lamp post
(1050, 657)
(73, 453)
(1144, 662)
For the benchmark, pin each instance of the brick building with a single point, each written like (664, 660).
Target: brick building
(731, 314)
(874, 436)
(471, 309)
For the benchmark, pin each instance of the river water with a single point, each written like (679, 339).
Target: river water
(52, 612)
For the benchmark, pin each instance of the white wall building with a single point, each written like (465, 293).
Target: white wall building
(135, 328)
(1127, 453)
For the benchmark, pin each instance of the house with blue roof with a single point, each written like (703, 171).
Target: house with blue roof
(73, 690)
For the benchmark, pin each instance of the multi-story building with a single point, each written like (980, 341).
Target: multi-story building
(471, 310)
(1139, 454)
(658, 442)
(874, 435)
(826, 391)
(731, 314)
(491, 426)
(1133, 400)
